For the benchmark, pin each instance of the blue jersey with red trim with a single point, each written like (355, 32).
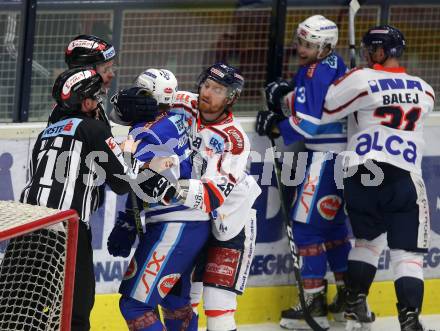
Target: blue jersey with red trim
(306, 103)
(166, 137)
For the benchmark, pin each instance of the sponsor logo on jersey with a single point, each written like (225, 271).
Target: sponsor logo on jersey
(328, 206)
(304, 208)
(387, 84)
(236, 138)
(166, 283)
(131, 270)
(152, 270)
(393, 145)
(186, 99)
(66, 127)
(178, 122)
(216, 143)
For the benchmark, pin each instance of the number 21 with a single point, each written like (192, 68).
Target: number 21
(398, 117)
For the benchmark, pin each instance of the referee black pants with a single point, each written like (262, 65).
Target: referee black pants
(84, 291)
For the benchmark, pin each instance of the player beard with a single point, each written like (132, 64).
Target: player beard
(211, 111)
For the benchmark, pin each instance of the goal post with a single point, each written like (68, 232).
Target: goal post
(37, 266)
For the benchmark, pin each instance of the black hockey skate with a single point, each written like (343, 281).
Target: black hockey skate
(339, 304)
(409, 319)
(293, 318)
(358, 314)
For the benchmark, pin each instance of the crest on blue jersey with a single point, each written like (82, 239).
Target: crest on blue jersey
(332, 61)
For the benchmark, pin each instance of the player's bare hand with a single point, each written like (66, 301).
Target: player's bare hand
(129, 145)
(161, 163)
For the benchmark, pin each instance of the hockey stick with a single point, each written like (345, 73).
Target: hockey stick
(136, 214)
(293, 251)
(352, 11)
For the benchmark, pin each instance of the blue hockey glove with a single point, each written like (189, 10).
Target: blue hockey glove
(266, 121)
(275, 92)
(123, 235)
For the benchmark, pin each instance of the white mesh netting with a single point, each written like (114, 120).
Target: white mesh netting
(32, 270)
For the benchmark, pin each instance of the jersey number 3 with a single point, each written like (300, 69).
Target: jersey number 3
(398, 118)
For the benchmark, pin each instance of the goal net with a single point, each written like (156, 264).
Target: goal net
(37, 266)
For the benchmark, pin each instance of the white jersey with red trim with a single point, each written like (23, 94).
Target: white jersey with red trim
(219, 155)
(386, 109)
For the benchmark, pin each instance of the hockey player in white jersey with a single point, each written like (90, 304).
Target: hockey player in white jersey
(220, 190)
(384, 189)
(221, 186)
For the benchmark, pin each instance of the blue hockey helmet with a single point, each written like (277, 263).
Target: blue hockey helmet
(385, 36)
(225, 75)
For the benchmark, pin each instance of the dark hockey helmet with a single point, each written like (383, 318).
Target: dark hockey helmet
(225, 75)
(88, 50)
(389, 38)
(74, 85)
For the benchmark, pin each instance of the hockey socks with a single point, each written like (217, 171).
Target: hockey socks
(180, 319)
(360, 276)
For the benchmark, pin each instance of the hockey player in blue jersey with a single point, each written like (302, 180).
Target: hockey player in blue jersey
(318, 216)
(159, 271)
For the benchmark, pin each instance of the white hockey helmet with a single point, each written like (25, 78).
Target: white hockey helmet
(320, 31)
(161, 83)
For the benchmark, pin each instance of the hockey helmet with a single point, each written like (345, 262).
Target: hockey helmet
(74, 85)
(320, 31)
(389, 38)
(88, 50)
(225, 75)
(161, 83)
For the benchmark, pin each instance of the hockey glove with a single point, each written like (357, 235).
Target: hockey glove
(157, 187)
(133, 105)
(266, 123)
(275, 92)
(123, 235)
